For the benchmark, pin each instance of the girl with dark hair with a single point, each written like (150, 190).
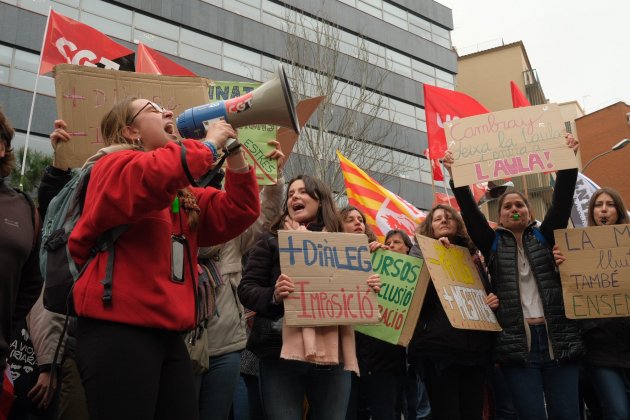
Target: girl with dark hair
(289, 374)
(130, 350)
(538, 346)
(452, 362)
(607, 340)
(377, 392)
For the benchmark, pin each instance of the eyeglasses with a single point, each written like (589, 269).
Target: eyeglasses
(155, 106)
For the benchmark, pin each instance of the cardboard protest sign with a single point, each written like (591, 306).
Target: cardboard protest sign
(508, 143)
(596, 273)
(458, 285)
(404, 281)
(254, 138)
(330, 272)
(304, 109)
(86, 94)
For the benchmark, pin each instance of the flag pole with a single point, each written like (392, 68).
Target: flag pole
(448, 197)
(30, 116)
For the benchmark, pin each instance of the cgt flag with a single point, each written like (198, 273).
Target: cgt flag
(383, 209)
(518, 99)
(150, 61)
(70, 42)
(442, 105)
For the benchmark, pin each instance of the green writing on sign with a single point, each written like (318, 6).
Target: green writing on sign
(255, 138)
(399, 277)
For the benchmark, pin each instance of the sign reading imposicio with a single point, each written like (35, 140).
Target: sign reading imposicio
(596, 273)
(508, 143)
(458, 285)
(330, 272)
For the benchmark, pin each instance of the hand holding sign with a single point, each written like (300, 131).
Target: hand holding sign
(284, 286)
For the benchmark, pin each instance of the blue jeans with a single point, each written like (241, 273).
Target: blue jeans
(218, 386)
(543, 380)
(284, 383)
(610, 387)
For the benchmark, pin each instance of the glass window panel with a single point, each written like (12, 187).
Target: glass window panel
(445, 76)
(201, 41)
(269, 64)
(441, 41)
(12, 2)
(419, 22)
(241, 68)
(399, 58)
(274, 9)
(71, 12)
(273, 21)
(395, 20)
(423, 78)
(71, 3)
(400, 69)
(375, 3)
(156, 42)
(420, 114)
(39, 143)
(364, 7)
(22, 79)
(242, 9)
(407, 109)
(215, 2)
(109, 27)
(395, 11)
(349, 2)
(6, 55)
(158, 27)
(4, 75)
(200, 56)
(26, 61)
(445, 85)
(38, 6)
(439, 31)
(420, 32)
(46, 86)
(241, 54)
(108, 10)
(424, 68)
(421, 125)
(254, 3)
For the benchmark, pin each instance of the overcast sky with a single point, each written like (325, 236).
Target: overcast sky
(580, 48)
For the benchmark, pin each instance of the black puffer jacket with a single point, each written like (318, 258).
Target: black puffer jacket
(436, 339)
(511, 345)
(607, 342)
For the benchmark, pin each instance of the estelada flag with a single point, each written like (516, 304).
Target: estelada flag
(150, 61)
(70, 42)
(442, 105)
(383, 209)
(518, 98)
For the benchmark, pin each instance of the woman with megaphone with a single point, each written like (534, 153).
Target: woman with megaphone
(130, 348)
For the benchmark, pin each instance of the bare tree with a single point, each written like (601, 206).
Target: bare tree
(355, 117)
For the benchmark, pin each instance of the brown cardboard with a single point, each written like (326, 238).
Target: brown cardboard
(330, 272)
(508, 143)
(458, 285)
(596, 273)
(415, 307)
(305, 109)
(86, 94)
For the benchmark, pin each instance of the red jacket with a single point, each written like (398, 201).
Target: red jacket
(137, 189)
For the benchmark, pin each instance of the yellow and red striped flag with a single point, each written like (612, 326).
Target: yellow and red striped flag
(383, 209)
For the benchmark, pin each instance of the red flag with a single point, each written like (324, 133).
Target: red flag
(438, 175)
(518, 99)
(6, 394)
(72, 42)
(150, 61)
(442, 198)
(441, 105)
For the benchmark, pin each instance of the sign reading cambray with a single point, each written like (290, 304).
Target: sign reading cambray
(596, 273)
(330, 272)
(458, 285)
(508, 143)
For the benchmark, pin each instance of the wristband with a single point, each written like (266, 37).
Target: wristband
(213, 149)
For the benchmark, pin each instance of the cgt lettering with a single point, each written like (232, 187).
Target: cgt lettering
(81, 57)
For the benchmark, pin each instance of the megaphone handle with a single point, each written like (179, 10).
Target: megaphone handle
(231, 146)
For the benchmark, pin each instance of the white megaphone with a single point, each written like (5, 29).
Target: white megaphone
(270, 103)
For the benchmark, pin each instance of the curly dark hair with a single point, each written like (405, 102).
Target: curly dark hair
(426, 227)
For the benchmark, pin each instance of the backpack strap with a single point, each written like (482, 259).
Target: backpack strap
(539, 235)
(106, 242)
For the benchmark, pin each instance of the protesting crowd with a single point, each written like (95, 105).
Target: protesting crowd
(178, 311)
